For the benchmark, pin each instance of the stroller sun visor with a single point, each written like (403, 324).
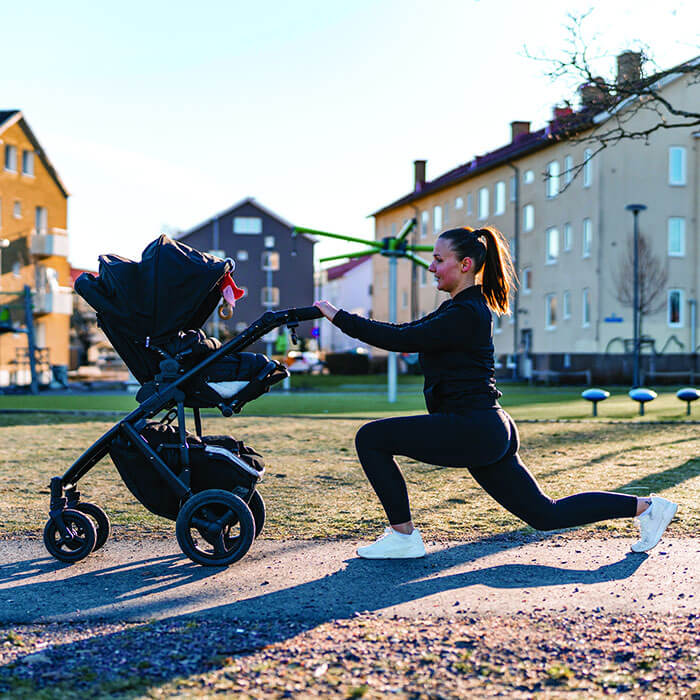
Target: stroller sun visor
(173, 288)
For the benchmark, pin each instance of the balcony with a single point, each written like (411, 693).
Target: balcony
(51, 242)
(54, 301)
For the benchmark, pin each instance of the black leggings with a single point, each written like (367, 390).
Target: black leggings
(486, 442)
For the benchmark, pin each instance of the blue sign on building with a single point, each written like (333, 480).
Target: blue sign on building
(613, 319)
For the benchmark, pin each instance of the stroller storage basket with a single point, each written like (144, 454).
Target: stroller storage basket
(216, 462)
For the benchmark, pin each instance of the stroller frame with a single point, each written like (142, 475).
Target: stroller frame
(171, 397)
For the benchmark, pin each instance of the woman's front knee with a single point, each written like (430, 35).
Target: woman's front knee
(366, 437)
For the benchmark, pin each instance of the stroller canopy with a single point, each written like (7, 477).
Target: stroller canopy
(173, 288)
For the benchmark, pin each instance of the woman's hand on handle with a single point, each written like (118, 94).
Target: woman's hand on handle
(327, 309)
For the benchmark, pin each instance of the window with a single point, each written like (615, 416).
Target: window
(586, 308)
(513, 249)
(28, 163)
(270, 296)
(271, 260)
(676, 237)
(587, 168)
(445, 214)
(552, 180)
(17, 209)
(269, 241)
(11, 159)
(41, 223)
(528, 217)
(459, 203)
(527, 280)
(676, 165)
(497, 323)
(423, 276)
(528, 177)
(437, 219)
(242, 255)
(568, 169)
(483, 203)
(247, 224)
(513, 187)
(675, 308)
(551, 245)
(587, 239)
(550, 312)
(566, 305)
(499, 205)
(568, 235)
(404, 299)
(470, 204)
(424, 218)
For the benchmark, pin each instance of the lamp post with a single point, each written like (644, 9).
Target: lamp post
(635, 209)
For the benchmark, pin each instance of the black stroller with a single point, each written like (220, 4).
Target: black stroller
(207, 484)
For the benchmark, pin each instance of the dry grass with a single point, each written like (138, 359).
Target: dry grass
(314, 487)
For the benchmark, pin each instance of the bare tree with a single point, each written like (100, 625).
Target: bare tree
(652, 277)
(610, 105)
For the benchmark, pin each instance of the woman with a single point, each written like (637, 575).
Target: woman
(465, 425)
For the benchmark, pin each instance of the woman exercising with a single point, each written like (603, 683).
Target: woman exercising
(465, 425)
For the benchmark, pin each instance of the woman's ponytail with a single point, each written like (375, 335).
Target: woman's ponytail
(490, 252)
(499, 274)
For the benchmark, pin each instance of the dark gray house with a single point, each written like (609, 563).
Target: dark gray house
(261, 243)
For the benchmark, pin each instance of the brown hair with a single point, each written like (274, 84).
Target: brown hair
(489, 250)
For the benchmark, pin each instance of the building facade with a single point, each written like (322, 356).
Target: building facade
(33, 250)
(347, 286)
(275, 270)
(574, 233)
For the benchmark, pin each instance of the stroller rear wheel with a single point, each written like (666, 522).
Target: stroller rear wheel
(79, 543)
(257, 508)
(215, 528)
(101, 521)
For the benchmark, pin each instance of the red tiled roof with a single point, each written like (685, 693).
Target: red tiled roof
(339, 270)
(76, 272)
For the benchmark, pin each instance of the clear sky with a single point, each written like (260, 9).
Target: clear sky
(163, 113)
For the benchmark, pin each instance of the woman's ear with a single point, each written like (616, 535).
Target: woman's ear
(466, 264)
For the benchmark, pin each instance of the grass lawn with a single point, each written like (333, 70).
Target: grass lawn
(314, 487)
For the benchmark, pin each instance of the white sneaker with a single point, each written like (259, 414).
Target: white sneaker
(653, 521)
(394, 545)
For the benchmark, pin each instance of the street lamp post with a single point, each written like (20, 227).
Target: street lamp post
(635, 209)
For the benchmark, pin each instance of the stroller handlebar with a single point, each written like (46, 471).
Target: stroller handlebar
(303, 313)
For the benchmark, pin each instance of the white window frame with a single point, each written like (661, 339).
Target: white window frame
(567, 237)
(586, 308)
(424, 221)
(437, 219)
(470, 204)
(270, 296)
(550, 312)
(528, 177)
(681, 315)
(499, 198)
(17, 209)
(528, 217)
(269, 241)
(680, 252)
(682, 178)
(41, 220)
(566, 305)
(459, 203)
(247, 225)
(568, 169)
(513, 186)
(241, 256)
(527, 280)
(28, 163)
(587, 168)
(551, 182)
(483, 212)
(551, 236)
(10, 158)
(586, 238)
(423, 276)
(270, 261)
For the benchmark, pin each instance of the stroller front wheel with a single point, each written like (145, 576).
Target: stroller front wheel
(80, 541)
(215, 528)
(101, 521)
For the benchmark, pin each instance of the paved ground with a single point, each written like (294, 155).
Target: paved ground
(321, 581)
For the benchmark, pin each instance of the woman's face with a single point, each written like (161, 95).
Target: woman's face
(450, 273)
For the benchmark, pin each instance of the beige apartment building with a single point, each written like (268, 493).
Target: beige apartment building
(573, 234)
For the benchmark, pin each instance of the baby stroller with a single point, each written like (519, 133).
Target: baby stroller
(206, 484)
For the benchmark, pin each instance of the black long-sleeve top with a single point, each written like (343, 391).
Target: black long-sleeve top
(455, 346)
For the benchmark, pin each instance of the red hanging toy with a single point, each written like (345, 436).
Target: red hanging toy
(231, 294)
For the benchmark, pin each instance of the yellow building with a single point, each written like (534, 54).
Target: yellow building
(33, 251)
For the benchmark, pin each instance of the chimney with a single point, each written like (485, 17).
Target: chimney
(561, 112)
(593, 95)
(418, 175)
(629, 68)
(517, 129)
